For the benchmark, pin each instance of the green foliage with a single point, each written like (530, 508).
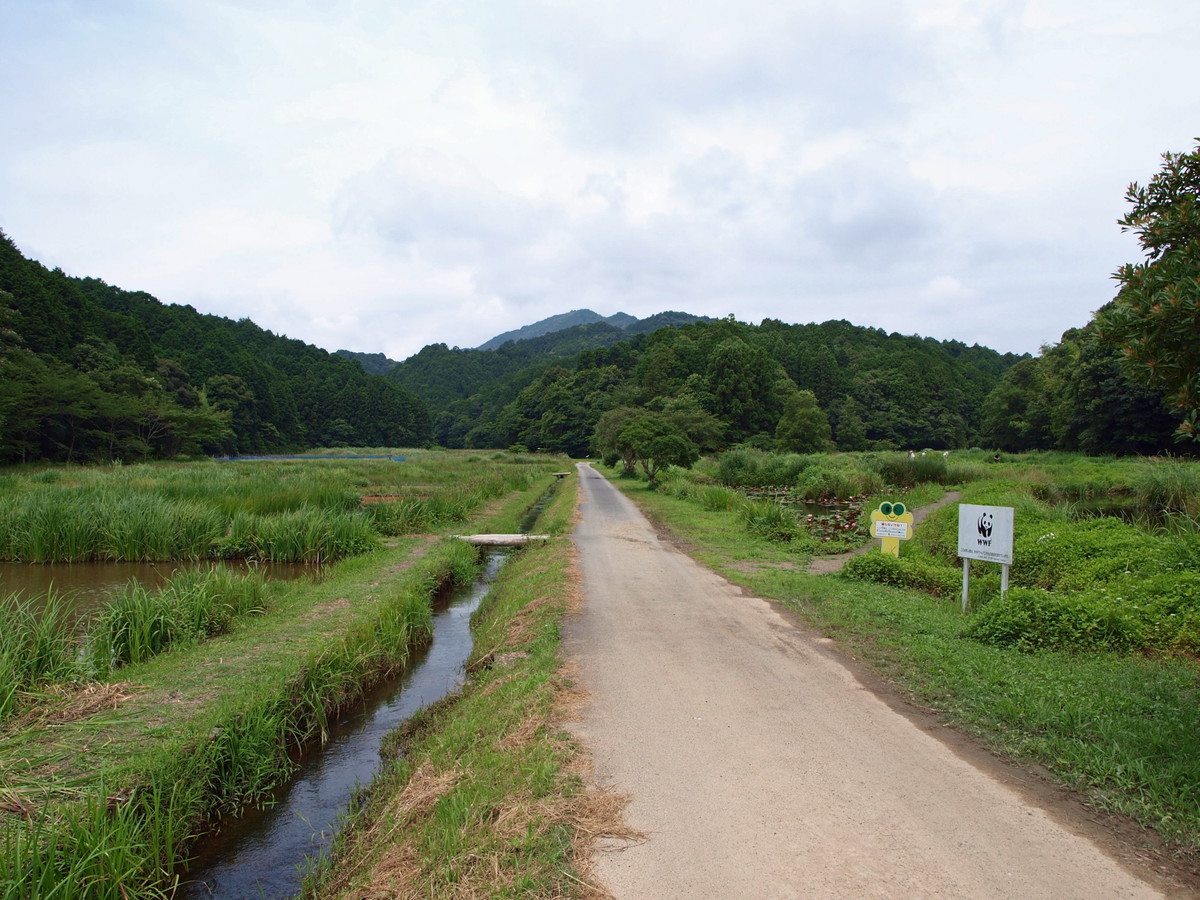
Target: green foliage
(719, 382)
(1032, 619)
(770, 520)
(90, 372)
(1155, 317)
(139, 623)
(1170, 484)
(1097, 549)
(838, 477)
(904, 471)
(909, 571)
(803, 427)
(747, 467)
(655, 443)
(37, 642)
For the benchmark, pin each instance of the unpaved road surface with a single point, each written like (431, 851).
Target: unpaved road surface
(759, 766)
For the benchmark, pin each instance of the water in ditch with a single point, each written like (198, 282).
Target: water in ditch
(263, 853)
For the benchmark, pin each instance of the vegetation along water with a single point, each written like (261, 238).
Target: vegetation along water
(178, 706)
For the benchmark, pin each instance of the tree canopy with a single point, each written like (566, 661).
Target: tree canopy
(92, 372)
(1155, 317)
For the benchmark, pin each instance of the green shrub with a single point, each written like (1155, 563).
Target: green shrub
(1031, 619)
(773, 521)
(903, 471)
(837, 478)
(918, 573)
(881, 568)
(748, 467)
(37, 642)
(1074, 555)
(138, 623)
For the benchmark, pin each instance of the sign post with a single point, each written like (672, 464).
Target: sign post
(892, 524)
(985, 533)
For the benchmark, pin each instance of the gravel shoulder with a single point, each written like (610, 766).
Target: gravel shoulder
(759, 763)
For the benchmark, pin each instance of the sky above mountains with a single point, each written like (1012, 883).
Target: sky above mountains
(378, 176)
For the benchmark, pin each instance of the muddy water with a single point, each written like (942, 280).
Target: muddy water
(263, 853)
(88, 586)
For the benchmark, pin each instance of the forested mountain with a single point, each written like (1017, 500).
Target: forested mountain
(566, 321)
(560, 322)
(374, 363)
(442, 376)
(874, 389)
(92, 372)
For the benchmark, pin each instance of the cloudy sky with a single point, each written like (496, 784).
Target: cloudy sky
(379, 175)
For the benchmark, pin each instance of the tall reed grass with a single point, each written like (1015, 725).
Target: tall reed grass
(37, 643)
(1171, 485)
(277, 511)
(139, 623)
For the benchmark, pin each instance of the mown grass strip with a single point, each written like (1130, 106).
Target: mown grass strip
(1123, 729)
(485, 796)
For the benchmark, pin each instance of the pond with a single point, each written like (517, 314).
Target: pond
(88, 586)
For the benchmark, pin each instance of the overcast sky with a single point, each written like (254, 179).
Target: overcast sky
(379, 175)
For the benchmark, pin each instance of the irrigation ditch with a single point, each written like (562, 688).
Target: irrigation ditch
(267, 850)
(105, 802)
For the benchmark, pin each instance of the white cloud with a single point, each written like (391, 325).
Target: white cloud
(379, 176)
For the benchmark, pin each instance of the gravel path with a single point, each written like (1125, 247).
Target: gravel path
(758, 765)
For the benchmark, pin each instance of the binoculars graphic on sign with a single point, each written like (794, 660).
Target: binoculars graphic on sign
(892, 523)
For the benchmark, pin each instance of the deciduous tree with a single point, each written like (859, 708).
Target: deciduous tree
(1155, 317)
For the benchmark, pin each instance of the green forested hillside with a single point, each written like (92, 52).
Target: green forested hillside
(733, 381)
(92, 372)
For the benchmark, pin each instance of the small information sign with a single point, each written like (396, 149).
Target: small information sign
(891, 523)
(986, 533)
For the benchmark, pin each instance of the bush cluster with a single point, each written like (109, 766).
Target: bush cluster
(916, 572)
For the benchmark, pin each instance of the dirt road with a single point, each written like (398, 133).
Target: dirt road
(759, 766)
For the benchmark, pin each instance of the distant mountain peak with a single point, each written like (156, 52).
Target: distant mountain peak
(561, 322)
(576, 317)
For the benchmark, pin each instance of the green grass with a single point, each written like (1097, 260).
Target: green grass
(205, 728)
(37, 644)
(484, 799)
(277, 511)
(193, 605)
(1122, 728)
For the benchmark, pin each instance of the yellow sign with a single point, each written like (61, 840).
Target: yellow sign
(892, 523)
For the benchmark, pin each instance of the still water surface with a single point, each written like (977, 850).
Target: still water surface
(264, 852)
(88, 586)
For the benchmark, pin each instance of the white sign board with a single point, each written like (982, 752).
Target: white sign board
(986, 533)
(890, 529)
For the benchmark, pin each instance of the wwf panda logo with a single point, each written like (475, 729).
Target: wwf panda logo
(985, 525)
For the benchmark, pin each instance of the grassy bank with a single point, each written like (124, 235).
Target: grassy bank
(1116, 721)
(484, 793)
(106, 782)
